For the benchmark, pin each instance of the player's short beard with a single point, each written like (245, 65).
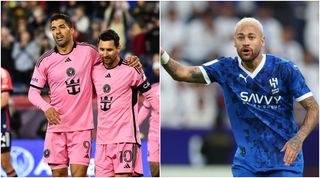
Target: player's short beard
(251, 58)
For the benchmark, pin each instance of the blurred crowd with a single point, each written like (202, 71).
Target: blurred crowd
(195, 32)
(25, 32)
(26, 35)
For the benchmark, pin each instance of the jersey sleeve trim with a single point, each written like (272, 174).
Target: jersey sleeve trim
(307, 95)
(7, 90)
(36, 87)
(205, 75)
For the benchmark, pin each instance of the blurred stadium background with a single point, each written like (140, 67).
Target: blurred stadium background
(25, 36)
(196, 139)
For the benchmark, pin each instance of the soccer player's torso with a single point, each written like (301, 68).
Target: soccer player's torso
(69, 80)
(260, 108)
(117, 103)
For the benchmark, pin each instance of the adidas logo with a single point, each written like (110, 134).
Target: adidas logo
(108, 75)
(68, 60)
(127, 166)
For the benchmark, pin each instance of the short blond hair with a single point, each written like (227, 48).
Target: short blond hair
(249, 20)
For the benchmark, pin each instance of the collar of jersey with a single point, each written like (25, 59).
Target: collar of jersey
(257, 70)
(120, 62)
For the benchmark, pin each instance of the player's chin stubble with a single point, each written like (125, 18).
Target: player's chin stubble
(250, 58)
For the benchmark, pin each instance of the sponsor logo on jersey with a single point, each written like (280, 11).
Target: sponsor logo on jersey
(259, 99)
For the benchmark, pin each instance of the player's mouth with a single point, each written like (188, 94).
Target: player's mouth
(59, 37)
(246, 51)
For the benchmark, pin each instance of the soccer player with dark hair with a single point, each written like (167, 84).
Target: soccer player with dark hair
(259, 90)
(118, 149)
(67, 70)
(6, 89)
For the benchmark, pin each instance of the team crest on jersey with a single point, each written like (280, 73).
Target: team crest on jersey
(274, 84)
(70, 71)
(106, 88)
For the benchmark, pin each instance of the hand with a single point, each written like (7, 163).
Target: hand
(133, 61)
(292, 148)
(52, 116)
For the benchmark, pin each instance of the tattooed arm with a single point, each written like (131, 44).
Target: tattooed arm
(294, 145)
(179, 72)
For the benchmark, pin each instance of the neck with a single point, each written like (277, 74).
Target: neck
(113, 64)
(253, 64)
(65, 49)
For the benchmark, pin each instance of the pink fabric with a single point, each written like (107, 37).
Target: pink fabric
(118, 158)
(69, 79)
(69, 147)
(154, 150)
(117, 103)
(36, 99)
(154, 126)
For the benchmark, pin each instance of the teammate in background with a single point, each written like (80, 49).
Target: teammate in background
(6, 89)
(118, 148)
(259, 90)
(154, 126)
(67, 69)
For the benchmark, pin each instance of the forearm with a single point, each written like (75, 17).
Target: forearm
(143, 113)
(179, 72)
(36, 99)
(311, 119)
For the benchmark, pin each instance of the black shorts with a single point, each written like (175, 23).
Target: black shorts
(5, 133)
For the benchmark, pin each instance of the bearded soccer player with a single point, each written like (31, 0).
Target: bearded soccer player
(154, 124)
(67, 69)
(6, 89)
(118, 149)
(259, 90)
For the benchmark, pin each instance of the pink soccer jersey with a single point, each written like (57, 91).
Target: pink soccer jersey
(154, 119)
(69, 80)
(117, 102)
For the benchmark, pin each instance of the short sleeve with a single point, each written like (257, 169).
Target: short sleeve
(298, 86)
(140, 80)
(6, 83)
(211, 71)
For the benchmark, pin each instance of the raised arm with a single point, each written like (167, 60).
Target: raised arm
(294, 145)
(180, 72)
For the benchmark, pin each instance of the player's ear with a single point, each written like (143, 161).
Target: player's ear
(72, 30)
(119, 48)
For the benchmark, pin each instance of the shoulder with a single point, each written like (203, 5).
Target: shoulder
(281, 62)
(87, 45)
(4, 73)
(44, 56)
